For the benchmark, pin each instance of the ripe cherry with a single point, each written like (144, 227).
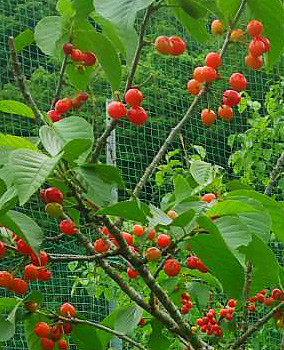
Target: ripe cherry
(198, 74)
(5, 279)
(276, 294)
(209, 74)
(137, 115)
(232, 303)
(172, 267)
(47, 344)
(253, 62)
(44, 275)
(77, 55)
(19, 286)
(252, 308)
(217, 27)
(138, 230)
(53, 194)
(194, 87)
(23, 247)
(192, 262)
(172, 214)
(67, 310)
(67, 48)
(67, 328)
(62, 344)
(226, 113)
(237, 36)
(2, 249)
(63, 106)
(266, 43)
(54, 210)
(238, 81)
(83, 96)
(163, 240)
(132, 273)
(116, 110)
(30, 273)
(141, 322)
(67, 226)
(254, 28)
(153, 254)
(162, 45)
(42, 260)
(177, 45)
(100, 246)
(54, 116)
(105, 231)
(42, 330)
(257, 47)
(213, 59)
(208, 197)
(77, 103)
(127, 237)
(151, 235)
(133, 97)
(269, 301)
(231, 98)
(56, 332)
(89, 59)
(208, 116)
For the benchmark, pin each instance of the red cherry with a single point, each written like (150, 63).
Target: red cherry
(68, 227)
(132, 273)
(19, 286)
(194, 87)
(172, 267)
(54, 116)
(138, 230)
(223, 312)
(192, 262)
(77, 55)
(89, 59)
(263, 292)
(67, 310)
(208, 117)
(269, 301)
(47, 344)
(5, 279)
(44, 275)
(83, 96)
(276, 294)
(252, 308)
(53, 194)
(202, 268)
(23, 247)
(105, 231)
(185, 297)
(213, 59)
(127, 237)
(163, 240)
(100, 246)
(266, 43)
(77, 103)
(2, 249)
(63, 106)
(162, 44)
(42, 260)
(260, 297)
(30, 273)
(232, 303)
(253, 62)
(256, 47)
(42, 330)
(62, 344)
(67, 328)
(137, 115)
(151, 235)
(254, 27)
(141, 322)
(198, 74)
(209, 74)
(177, 45)
(67, 48)
(238, 81)
(231, 98)
(56, 332)
(208, 197)
(133, 97)
(226, 113)
(116, 110)
(185, 308)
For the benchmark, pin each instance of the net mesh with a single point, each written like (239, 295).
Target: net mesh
(163, 81)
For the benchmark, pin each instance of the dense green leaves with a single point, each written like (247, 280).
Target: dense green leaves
(157, 339)
(271, 14)
(47, 32)
(30, 170)
(24, 39)
(86, 337)
(15, 107)
(25, 227)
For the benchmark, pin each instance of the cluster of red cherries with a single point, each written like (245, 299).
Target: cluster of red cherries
(173, 45)
(186, 303)
(86, 58)
(52, 335)
(261, 297)
(136, 114)
(194, 263)
(208, 324)
(65, 104)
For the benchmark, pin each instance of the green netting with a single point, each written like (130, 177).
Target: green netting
(166, 100)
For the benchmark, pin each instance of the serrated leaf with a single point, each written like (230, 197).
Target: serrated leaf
(25, 227)
(127, 319)
(108, 173)
(30, 170)
(158, 217)
(12, 141)
(50, 140)
(15, 107)
(7, 326)
(47, 32)
(8, 200)
(201, 172)
(24, 39)
(182, 190)
(229, 208)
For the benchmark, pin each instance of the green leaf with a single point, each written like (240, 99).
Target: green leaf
(184, 219)
(127, 319)
(24, 39)
(157, 217)
(12, 141)
(25, 227)
(258, 223)
(47, 32)
(86, 337)
(29, 324)
(86, 38)
(64, 8)
(7, 304)
(201, 172)
(229, 207)
(229, 7)
(223, 265)
(79, 78)
(50, 140)
(200, 293)
(192, 8)
(7, 326)
(30, 170)
(195, 27)
(129, 210)
(83, 7)
(72, 128)
(35, 295)
(182, 189)
(271, 14)
(108, 173)
(8, 200)
(15, 107)
(158, 340)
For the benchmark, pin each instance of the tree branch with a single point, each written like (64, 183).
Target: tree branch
(88, 258)
(60, 81)
(274, 174)
(255, 327)
(21, 81)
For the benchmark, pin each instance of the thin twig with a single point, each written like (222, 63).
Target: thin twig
(21, 81)
(255, 327)
(274, 174)
(88, 258)
(60, 81)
